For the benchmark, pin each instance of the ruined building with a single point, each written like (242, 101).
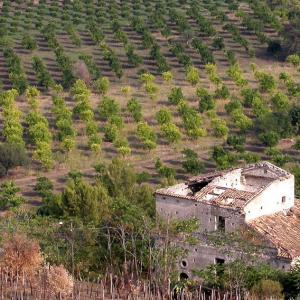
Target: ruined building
(258, 196)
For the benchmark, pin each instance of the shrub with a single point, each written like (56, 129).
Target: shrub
(163, 116)
(167, 76)
(8, 195)
(266, 81)
(237, 142)
(294, 59)
(192, 164)
(192, 75)
(175, 95)
(206, 101)
(135, 108)
(101, 85)
(28, 42)
(146, 135)
(280, 101)
(108, 107)
(43, 187)
(219, 128)
(270, 138)
(12, 155)
(171, 132)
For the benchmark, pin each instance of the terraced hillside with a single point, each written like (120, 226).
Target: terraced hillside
(177, 87)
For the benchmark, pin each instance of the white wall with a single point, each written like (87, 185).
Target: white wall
(269, 201)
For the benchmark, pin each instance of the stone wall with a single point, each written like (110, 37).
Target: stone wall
(207, 214)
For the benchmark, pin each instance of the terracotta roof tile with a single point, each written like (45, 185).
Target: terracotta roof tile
(282, 230)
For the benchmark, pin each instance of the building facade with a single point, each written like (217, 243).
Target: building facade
(259, 197)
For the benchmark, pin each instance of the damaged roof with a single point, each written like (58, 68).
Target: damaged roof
(282, 229)
(232, 188)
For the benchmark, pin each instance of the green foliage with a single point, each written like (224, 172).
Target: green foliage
(191, 163)
(191, 120)
(223, 159)
(266, 81)
(42, 75)
(235, 73)
(176, 95)
(241, 120)
(167, 76)
(294, 59)
(12, 155)
(219, 128)
(237, 142)
(87, 202)
(43, 187)
(280, 101)
(270, 138)
(108, 107)
(8, 195)
(101, 85)
(147, 135)
(171, 132)
(28, 42)
(206, 101)
(163, 116)
(164, 171)
(267, 289)
(135, 109)
(277, 157)
(192, 75)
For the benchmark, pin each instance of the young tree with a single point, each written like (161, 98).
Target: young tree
(146, 135)
(163, 116)
(192, 164)
(101, 85)
(8, 195)
(135, 109)
(219, 127)
(171, 132)
(175, 95)
(192, 75)
(12, 155)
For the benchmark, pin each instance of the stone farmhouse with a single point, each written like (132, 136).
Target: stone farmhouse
(259, 196)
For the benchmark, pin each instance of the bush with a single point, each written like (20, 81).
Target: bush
(101, 85)
(192, 164)
(163, 116)
(12, 155)
(43, 187)
(108, 107)
(267, 289)
(146, 135)
(237, 142)
(8, 195)
(224, 159)
(175, 95)
(219, 128)
(171, 132)
(135, 108)
(28, 42)
(192, 75)
(206, 101)
(270, 138)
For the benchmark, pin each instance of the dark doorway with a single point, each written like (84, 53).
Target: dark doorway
(183, 276)
(221, 224)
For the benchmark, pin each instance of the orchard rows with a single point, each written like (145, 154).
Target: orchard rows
(157, 73)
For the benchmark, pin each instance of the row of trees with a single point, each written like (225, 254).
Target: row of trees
(38, 130)
(84, 111)
(16, 73)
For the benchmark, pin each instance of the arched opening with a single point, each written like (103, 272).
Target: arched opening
(183, 263)
(183, 276)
